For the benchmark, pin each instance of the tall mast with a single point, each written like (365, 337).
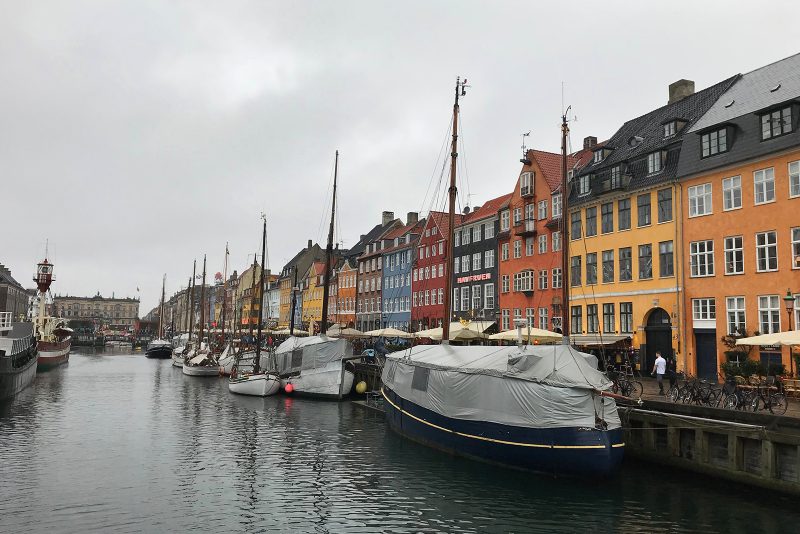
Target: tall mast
(261, 291)
(191, 302)
(224, 292)
(252, 295)
(161, 310)
(294, 302)
(564, 237)
(329, 253)
(451, 216)
(202, 306)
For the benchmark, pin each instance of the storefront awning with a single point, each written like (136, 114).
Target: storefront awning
(587, 340)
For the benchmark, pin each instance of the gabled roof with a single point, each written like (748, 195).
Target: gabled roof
(401, 232)
(754, 91)
(550, 165)
(489, 209)
(440, 220)
(6, 278)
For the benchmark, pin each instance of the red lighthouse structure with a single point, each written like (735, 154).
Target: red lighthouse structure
(52, 335)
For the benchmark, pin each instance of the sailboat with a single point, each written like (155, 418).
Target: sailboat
(181, 350)
(160, 347)
(542, 408)
(227, 357)
(257, 382)
(316, 366)
(201, 362)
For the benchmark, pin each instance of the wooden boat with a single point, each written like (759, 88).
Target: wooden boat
(53, 337)
(18, 356)
(203, 362)
(160, 347)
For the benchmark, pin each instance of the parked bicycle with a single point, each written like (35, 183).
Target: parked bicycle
(769, 396)
(623, 384)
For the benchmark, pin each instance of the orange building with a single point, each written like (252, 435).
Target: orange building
(342, 307)
(741, 227)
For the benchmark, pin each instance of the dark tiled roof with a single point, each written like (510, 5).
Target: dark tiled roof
(6, 278)
(648, 130)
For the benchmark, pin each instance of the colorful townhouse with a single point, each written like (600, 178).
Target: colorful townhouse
(740, 192)
(370, 277)
(312, 285)
(248, 296)
(427, 275)
(397, 267)
(625, 282)
(475, 269)
(289, 278)
(342, 307)
(530, 241)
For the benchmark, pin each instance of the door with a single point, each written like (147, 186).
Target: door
(706, 354)
(658, 334)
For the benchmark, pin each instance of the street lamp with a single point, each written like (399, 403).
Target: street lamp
(788, 301)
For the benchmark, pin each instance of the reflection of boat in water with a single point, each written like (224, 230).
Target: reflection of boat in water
(18, 356)
(315, 366)
(53, 336)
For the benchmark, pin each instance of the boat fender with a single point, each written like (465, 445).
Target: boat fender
(289, 388)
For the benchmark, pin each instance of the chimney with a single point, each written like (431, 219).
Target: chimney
(310, 244)
(412, 218)
(388, 216)
(589, 142)
(680, 90)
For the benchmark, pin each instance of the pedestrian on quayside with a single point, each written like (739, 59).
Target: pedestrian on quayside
(659, 369)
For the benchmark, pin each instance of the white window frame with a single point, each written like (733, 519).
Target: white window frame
(505, 220)
(504, 252)
(542, 243)
(517, 248)
(712, 143)
(556, 241)
(794, 179)
(488, 296)
(766, 250)
(488, 259)
(476, 261)
(477, 300)
(764, 186)
(543, 278)
(704, 309)
(555, 201)
(542, 210)
(557, 278)
(488, 230)
(654, 162)
(734, 254)
(700, 200)
(704, 250)
(795, 251)
(544, 319)
(769, 314)
(732, 193)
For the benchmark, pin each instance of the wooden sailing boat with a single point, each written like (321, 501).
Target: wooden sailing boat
(202, 361)
(258, 381)
(316, 366)
(536, 407)
(228, 356)
(179, 353)
(160, 347)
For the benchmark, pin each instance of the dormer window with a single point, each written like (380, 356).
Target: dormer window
(776, 123)
(598, 156)
(583, 184)
(526, 184)
(654, 162)
(669, 129)
(616, 177)
(714, 142)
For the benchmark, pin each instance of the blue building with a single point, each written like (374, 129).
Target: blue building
(397, 266)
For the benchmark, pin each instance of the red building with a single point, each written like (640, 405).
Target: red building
(428, 273)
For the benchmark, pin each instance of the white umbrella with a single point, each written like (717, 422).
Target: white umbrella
(792, 337)
(389, 332)
(531, 335)
(338, 331)
(458, 331)
(287, 332)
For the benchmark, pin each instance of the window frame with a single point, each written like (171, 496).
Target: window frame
(767, 179)
(734, 255)
(729, 192)
(696, 197)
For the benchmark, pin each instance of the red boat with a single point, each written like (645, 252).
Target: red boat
(53, 336)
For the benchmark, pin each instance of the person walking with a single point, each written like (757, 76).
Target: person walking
(659, 368)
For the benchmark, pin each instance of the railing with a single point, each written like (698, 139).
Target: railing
(5, 320)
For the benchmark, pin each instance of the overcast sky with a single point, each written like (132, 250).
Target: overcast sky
(139, 135)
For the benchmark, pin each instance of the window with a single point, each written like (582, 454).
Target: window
(504, 221)
(764, 183)
(476, 233)
(465, 236)
(664, 205)
(455, 299)
(776, 123)
(556, 201)
(643, 209)
(704, 309)
(543, 319)
(456, 265)
(608, 266)
(523, 281)
(526, 183)
(714, 142)
(517, 216)
(518, 248)
(529, 212)
(476, 297)
(591, 221)
(666, 266)
(625, 264)
(769, 314)
(427, 297)
(576, 320)
(699, 200)
(614, 178)
(794, 179)
(542, 214)
(592, 321)
(645, 261)
(489, 230)
(575, 271)
(653, 162)
(529, 246)
(607, 218)
(626, 317)
(504, 319)
(488, 259)
(608, 318)
(505, 282)
(796, 252)
(591, 268)
(736, 314)
(732, 193)
(488, 296)
(556, 241)
(734, 255)
(598, 156)
(543, 276)
(476, 261)
(465, 267)
(456, 238)
(575, 225)
(701, 258)
(583, 185)
(556, 272)
(419, 380)
(542, 243)
(504, 251)
(624, 213)
(766, 251)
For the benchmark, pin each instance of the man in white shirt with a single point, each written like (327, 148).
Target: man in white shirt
(659, 369)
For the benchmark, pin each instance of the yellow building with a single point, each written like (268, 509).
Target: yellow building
(313, 287)
(248, 296)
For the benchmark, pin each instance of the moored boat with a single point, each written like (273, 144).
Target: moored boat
(201, 362)
(160, 347)
(315, 366)
(18, 356)
(52, 334)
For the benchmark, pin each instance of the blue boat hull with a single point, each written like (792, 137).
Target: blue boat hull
(570, 451)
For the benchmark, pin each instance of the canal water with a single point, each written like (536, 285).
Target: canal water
(114, 442)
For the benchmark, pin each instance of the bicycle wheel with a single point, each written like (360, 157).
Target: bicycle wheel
(757, 403)
(674, 394)
(730, 401)
(778, 403)
(635, 389)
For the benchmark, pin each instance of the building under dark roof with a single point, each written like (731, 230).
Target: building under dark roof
(13, 297)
